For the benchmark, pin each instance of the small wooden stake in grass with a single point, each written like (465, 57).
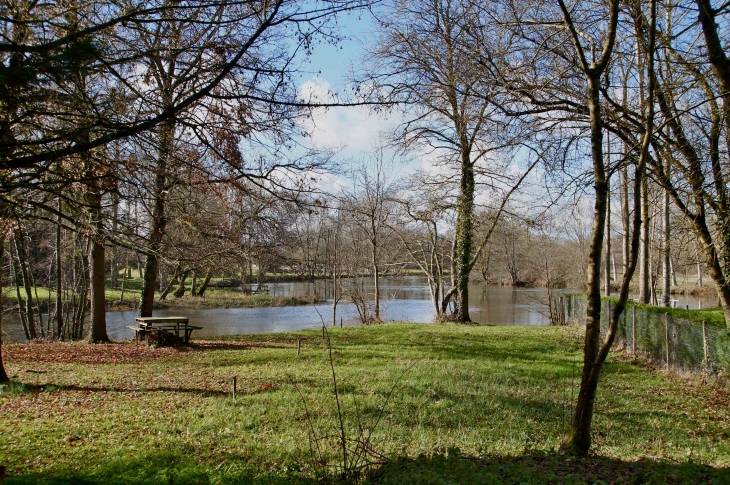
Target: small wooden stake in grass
(340, 322)
(704, 343)
(299, 346)
(666, 327)
(234, 389)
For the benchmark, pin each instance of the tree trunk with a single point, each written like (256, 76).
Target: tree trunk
(158, 220)
(463, 237)
(699, 273)
(114, 266)
(59, 277)
(607, 263)
(579, 440)
(3, 374)
(171, 283)
(666, 270)
(625, 214)
(644, 263)
(25, 280)
(205, 283)
(180, 291)
(376, 278)
(86, 272)
(97, 270)
(193, 283)
(613, 265)
(18, 296)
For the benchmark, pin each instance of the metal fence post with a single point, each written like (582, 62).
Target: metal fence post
(666, 327)
(633, 329)
(704, 343)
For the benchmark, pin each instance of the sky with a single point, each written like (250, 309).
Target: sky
(355, 131)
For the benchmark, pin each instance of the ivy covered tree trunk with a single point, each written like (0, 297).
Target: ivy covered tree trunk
(464, 237)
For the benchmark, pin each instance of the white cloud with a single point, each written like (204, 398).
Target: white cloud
(353, 129)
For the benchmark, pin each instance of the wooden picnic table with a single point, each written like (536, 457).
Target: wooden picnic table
(250, 289)
(163, 326)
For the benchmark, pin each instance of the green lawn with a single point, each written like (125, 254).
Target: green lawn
(469, 405)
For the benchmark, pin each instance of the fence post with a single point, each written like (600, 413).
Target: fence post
(556, 310)
(633, 329)
(704, 343)
(666, 327)
(573, 309)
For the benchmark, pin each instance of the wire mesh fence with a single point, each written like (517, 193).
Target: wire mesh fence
(676, 343)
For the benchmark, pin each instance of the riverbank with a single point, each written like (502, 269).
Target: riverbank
(213, 298)
(461, 404)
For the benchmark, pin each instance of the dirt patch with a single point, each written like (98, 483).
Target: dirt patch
(84, 353)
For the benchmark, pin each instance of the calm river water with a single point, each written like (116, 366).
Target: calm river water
(404, 298)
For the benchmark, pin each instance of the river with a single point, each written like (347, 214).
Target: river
(404, 298)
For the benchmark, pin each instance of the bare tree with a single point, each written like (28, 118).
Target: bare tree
(371, 206)
(427, 61)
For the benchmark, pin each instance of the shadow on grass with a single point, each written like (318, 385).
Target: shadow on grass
(447, 468)
(541, 468)
(160, 468)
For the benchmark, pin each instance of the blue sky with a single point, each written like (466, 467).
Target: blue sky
(353, 130)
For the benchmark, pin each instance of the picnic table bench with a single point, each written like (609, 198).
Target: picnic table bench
(254, 289)
(162, 330)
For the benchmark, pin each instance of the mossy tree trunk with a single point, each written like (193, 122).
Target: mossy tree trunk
(464, 235)
(180, 291)
(205, 283)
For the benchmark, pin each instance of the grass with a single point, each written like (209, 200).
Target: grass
(475, 405)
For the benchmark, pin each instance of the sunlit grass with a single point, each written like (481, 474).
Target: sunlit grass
(484, 390)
